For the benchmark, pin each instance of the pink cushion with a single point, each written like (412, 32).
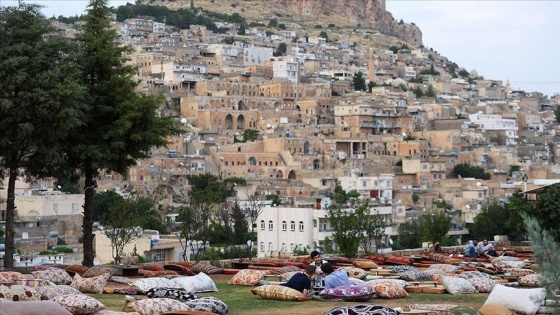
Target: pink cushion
(33, 308)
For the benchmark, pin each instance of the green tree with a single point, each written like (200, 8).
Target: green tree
(347, 220)
(374, 230)
(194, 228)
(557, 113)
(123, 222)
(40, 101)
(497, 220)
(359, 82)
(102, 202)
(394, 49)
(241, 30)
(121, 125)
(281, 49)
(239, 225)
(273, 23)
(408, 234)
(418, 92)
(466, 171)
(434, 226)
(430, 92)
(371, 85)
(545, 210)
(464, 73)
(324, 35)
(513, 168)
(274, 199)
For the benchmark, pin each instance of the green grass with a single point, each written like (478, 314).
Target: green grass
(241, 301)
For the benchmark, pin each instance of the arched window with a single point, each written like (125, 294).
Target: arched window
(314, 223)
(262, 246)
(262, 224)
(270, 246)
(283, 247)
(291, 247)
(284, 225)
(252, 161)
(270, 225)
(292, 225)
(301, 226)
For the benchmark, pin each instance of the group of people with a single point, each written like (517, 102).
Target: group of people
(475, 250)
(319, 273)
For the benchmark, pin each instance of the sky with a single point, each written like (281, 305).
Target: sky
(504, 40)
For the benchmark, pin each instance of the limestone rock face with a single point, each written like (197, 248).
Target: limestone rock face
(367, 13)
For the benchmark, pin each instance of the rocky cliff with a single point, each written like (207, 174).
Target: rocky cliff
(367, 13)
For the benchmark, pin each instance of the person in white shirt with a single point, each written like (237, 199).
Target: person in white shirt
(317, 262)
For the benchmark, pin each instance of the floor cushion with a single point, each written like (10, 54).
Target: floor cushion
(156, 306)
(474, 274)
(199, 283)
(278, 292)
(32, 308)
(96, 271)
(361, 310)
(532, 280)
(494, 309)
(55, 275)
(397, 260)
(364, 264)
(180, 269)
(50, 292)
(93, 285)
(440, 309)
(388, 289)
(16, 292)
(180, 295)
(157, 282)
(357, 273)
(34, 282)
(519, 272)
(400, 282)
(76, 269)
(158, 273)
(457, 285)
(465, 310)
(482, 285)
(79, 303)
(207, 269)
(187, 312)
(8, 277)
(444, 267)
(352, 293)
(524, 301)
(208, 304)
(415, 275)
(247, 277)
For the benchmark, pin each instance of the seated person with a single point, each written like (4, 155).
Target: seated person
(333, 278)
(302, 281)
(470, 250)
(317, 262)
(437, 248)
(488, 249)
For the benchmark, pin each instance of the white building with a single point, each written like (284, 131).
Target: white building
(34, 204)
(286, 68)
(486, 122)
(256, 56)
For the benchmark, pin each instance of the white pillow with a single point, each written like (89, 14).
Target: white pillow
(199, 283)
(156, 282)
(400, 282)
(525, 301)
(457, 285)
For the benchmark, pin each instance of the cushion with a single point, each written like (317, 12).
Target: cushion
(446, 268)
(457, 285)
(520, 272)
(76, 269)
(79, 303)
(199, 283)
(247, 277)
(32, 308)
(388, 289)
(357, 273)
(532, 280)
(352, 293)
(120, 279)
(34, 283)
(158, 273)
(361, 309)
(208, 304)
(278, 292)
(187, 312)
(8, 277)
(440, 309)
(474, 274)
(106, 312)
(364, 264)
(415, 275)
(180, 295)
(207, 269)
(16, 292)
(50, 292)
(56, 275)
(156, 306)
(397, 260)
(98, 270)
(482, 285)
(146, 284)
(465, 310)
(525, 301)
(180, 269)
(494, 309)
(93, 285)
(400, 282)
(286, 276)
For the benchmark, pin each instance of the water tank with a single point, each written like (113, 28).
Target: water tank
(53, 233)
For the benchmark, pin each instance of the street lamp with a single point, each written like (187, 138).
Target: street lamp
(524, 179)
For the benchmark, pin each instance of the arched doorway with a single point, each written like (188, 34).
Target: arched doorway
(279, 174)
(292, 175)
(240, 122)
(306, 147)
(229, 121)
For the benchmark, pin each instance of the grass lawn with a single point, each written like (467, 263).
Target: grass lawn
(242, 302)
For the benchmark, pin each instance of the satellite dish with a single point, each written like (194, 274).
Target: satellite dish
(183, 121)
(391, 241)
(467, 206)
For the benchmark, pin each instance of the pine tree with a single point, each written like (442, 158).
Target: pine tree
(121, 125)
(359, 82)
(39, 101)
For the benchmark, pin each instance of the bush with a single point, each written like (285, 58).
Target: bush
(57, 250)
